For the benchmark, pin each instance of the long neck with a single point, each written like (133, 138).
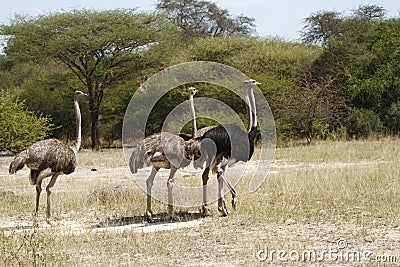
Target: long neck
(192, 115)
(253, 108)
(78, 133)
(248, 107)
(252, 131)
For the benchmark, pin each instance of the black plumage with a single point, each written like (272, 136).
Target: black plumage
(231, 142)
(227, 144)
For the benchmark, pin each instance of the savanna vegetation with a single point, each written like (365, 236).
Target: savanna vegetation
(340, 80)
(314, 195)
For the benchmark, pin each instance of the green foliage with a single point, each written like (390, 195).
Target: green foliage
(311, 89)
(324, 26)
(392, 119)
(363, 123)
(51, 94)
(19, 127)
(113, 110)
(361, 55)
(275, 63)
(320, 27)
(99, 47)
(375, 85)
(311, 109)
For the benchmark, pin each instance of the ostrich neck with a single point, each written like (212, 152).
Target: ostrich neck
(248, 107)
(253, 109)
(192, 115)
(252, 132)
(78, 133)
(249, 114)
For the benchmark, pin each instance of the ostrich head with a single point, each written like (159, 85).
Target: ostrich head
(192, 91)
(79, 94)
(18, 162)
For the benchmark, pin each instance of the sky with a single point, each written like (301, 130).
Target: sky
(274, 18)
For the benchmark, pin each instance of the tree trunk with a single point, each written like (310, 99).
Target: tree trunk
(95, 98)
(94, 115)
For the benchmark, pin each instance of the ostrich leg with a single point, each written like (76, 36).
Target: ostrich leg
(38, 182)
(170, 185)
(221, 198)
(48, 191)
(204, 210)
(149, 184)
(38, 191)
(233, 191)
(221, 179)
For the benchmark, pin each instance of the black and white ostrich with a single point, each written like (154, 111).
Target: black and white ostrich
(50, 157)
(227, 144)
(199, 133)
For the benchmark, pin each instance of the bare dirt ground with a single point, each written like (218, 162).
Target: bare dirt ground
(264, 230)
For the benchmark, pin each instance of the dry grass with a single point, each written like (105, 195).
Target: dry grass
(314, 195)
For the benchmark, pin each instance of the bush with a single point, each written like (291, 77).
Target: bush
(363, 123)
(19, 128)
(393, 118)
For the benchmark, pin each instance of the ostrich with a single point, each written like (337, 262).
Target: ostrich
(163, 150)
(50, 157)
(242, 149)
(199, 133)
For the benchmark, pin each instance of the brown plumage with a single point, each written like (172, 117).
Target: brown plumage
(162, 150)
(49, 153)
(49, 157)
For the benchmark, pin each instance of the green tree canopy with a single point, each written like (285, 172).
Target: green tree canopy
(99, 47)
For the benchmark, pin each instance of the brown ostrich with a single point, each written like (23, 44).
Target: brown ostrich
(50, 157)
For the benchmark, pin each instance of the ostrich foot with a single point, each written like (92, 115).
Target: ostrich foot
(149, 216)
(222, 207)
(49, 222)
(172, 217)
(205, 211)
(35, 221)
(224, 211)
(234, 202)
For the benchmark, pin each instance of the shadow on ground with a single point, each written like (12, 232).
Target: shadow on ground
(16, 228)
(161, 218)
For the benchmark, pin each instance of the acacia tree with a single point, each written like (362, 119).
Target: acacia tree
(322, 26)
(205, 18)
(99, 47)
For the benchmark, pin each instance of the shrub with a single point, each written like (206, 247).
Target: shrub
(362, 123)
(392, 120)
(20, 127)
